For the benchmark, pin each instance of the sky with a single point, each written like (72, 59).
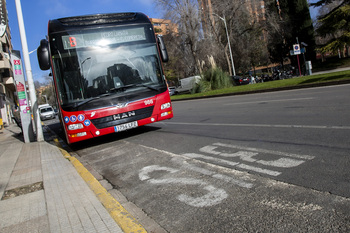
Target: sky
(37, 13)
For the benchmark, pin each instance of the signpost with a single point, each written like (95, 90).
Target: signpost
(298, 50)
(24, 108)
(34, 107)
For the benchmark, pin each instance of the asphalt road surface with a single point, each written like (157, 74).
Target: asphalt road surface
(271, 162)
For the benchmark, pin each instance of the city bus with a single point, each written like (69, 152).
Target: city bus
(107, 72)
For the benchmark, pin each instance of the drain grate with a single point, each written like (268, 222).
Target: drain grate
(23, 190)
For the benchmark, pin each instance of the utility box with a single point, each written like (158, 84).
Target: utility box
(308, 67)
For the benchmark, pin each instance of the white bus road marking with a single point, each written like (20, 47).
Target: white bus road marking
(229, 179)
(214, 195)
(307, 157)
(143, 175)
(199, 156)
(260, 170)
(246, 154)
(233, 164)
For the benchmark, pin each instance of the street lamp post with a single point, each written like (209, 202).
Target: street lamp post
(39, 130)
(228, 41)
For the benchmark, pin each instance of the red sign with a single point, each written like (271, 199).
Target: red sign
(20, 87)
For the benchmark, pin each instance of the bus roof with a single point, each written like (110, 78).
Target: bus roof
(63, 24)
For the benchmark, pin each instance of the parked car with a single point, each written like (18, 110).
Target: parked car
(46, 112)
(187, 84)
(238, 80)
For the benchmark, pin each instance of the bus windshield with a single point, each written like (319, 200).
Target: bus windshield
(97, 63)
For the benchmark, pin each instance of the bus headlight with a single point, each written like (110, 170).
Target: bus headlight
(75, 126)
(78, 134)
(163, 114)
(165, 106)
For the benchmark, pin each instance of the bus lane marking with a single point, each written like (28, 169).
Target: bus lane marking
(214, 195)
(238, 182)
(247, 154)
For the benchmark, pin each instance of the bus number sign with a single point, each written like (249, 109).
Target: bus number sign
(72, 41)
(104, 38)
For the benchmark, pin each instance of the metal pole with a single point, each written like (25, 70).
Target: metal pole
(39, 130)
(229, 45)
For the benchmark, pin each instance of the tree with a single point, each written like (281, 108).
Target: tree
(334, 25)
(185, 13)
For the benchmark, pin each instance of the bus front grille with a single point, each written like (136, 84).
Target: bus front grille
(121, 118)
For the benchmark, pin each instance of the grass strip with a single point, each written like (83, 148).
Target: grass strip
(278, 84)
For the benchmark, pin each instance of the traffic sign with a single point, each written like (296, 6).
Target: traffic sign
(296, 49)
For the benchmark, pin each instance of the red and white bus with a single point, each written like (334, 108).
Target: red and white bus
(107, 71)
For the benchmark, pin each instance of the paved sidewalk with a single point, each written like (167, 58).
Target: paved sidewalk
(41, 191)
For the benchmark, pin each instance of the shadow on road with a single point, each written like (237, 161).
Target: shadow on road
(56, 127)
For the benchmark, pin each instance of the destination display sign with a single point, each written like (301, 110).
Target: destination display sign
(104, 38)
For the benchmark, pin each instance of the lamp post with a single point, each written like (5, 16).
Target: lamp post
(39, 130)
(228, 41)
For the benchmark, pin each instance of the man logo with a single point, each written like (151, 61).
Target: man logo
(121, 105)
(123, 115)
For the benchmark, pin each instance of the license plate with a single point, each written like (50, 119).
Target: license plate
(125, 126)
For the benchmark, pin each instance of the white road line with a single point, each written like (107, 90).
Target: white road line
(260, 170)
(308, 157)
(268, 101)
(199, 156)
(218, 176)
(243, 166)
(260, 125)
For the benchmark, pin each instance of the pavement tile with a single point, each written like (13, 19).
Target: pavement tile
(74, 202)
(66, 204)
(18, 209)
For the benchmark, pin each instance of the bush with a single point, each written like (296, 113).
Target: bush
(213, 79)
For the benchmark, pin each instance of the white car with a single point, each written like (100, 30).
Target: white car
(46, 112)
(187, 84)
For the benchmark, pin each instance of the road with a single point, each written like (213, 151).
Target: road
(271, 162)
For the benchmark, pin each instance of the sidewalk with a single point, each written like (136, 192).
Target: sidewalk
(41, 190)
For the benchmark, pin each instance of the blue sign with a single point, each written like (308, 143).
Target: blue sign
(73, 118)
(81, 117)
(87, 122)
(296, 49)
(66, 119)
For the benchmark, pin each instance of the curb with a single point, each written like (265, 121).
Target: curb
(120, 215)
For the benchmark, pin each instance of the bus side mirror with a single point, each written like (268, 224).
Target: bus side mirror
(162, 48)
(44, 55)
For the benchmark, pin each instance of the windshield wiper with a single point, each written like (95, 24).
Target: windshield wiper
(91, 99)
(121, 88)
(134, 85)
(148, 86)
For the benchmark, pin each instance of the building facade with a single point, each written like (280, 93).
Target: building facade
(7, 84)
(164, 26)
